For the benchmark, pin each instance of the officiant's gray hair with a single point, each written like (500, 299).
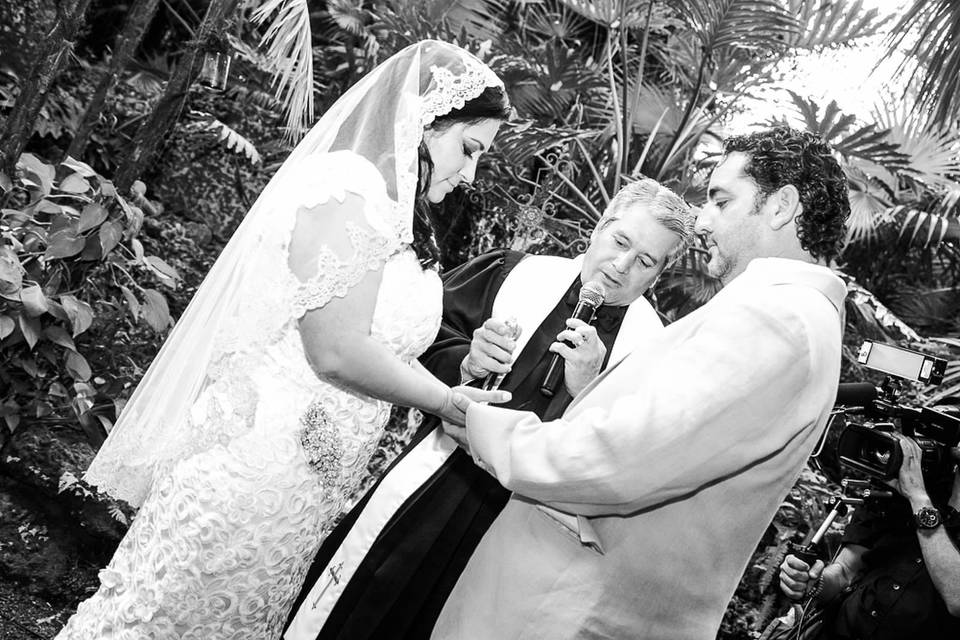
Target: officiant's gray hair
(670, 210)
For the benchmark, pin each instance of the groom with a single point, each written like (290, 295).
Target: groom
(386, 570)
(635, 513)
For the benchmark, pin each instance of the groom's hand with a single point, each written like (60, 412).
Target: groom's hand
(463, 397)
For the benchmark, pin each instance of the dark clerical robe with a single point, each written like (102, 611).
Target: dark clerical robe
(402, 582)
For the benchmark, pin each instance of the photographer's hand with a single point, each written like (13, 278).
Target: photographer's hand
(797, 577)
(909, 481)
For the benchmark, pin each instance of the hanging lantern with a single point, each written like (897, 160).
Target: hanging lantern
(215, 69)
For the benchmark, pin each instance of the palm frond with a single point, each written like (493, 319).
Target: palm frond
(542, 22)
(828, 23)
(226, 135)
(610, 12)
(869, 208)
(289, 45)
(920, 227)
(655, 110)
(519, 143)
(348, 15)
(480, 19)
(745, 24)
(934, 62)
(933, 152)
(867, 142)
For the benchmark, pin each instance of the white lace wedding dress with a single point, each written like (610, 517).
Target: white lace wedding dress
(221, 544)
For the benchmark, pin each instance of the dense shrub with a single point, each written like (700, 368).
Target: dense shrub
(76, 282)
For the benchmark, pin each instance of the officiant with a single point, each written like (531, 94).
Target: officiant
(386, 570)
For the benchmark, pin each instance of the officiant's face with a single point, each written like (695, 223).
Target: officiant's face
(455, 151)
(627, 252)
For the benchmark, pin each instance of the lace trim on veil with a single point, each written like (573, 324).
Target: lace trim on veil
(453, 91)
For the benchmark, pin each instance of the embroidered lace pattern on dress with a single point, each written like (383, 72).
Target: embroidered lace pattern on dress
(335, 277)
(221, 546)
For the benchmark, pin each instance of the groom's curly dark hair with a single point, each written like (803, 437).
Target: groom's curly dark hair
(782, 156)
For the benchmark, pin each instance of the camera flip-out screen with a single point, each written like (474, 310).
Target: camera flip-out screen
(902, 363)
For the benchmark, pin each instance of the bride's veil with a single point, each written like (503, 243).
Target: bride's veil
(381, 119)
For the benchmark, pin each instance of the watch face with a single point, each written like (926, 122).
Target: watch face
(927, 518)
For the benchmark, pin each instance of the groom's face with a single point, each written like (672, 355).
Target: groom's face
(627, 252)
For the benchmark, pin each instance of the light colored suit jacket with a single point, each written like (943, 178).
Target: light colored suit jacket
(635, 514)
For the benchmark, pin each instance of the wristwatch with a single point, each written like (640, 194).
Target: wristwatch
(927, 518)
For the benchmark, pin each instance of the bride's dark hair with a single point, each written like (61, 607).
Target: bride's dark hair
(492, 103)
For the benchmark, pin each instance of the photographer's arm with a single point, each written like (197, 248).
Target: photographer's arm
(939, 552)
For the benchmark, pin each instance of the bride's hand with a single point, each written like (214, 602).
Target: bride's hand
(461, 398)
(458, 400)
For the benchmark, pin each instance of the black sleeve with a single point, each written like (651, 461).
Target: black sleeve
(468, 294)
(868, 523)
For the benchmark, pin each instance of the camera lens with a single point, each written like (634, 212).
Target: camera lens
(874, 454)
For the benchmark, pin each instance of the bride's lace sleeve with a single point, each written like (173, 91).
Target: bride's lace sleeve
(337, 237)
(336, 275)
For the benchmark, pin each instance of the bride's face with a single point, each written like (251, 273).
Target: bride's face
(455, 151)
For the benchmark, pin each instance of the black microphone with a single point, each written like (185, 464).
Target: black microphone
(855, 394)
(591, 297)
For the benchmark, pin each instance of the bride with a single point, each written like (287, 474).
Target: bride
(258, 417)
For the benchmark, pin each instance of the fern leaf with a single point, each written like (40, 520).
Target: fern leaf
(288, 40)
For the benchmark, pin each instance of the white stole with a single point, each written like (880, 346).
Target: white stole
(530, 291)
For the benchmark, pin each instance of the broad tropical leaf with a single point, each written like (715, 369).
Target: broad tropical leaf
(828, 23)
(289, 45)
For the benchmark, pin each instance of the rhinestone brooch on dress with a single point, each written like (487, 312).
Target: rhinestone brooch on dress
(321, 443)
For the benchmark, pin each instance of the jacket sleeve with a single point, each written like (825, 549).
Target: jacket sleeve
(682, 411)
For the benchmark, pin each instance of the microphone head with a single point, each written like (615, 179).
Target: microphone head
(592, 293)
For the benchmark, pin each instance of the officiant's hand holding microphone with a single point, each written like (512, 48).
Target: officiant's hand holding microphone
(583, 360)
(579, 355)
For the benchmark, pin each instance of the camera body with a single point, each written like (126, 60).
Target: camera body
(868, 445)
(872, 450)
